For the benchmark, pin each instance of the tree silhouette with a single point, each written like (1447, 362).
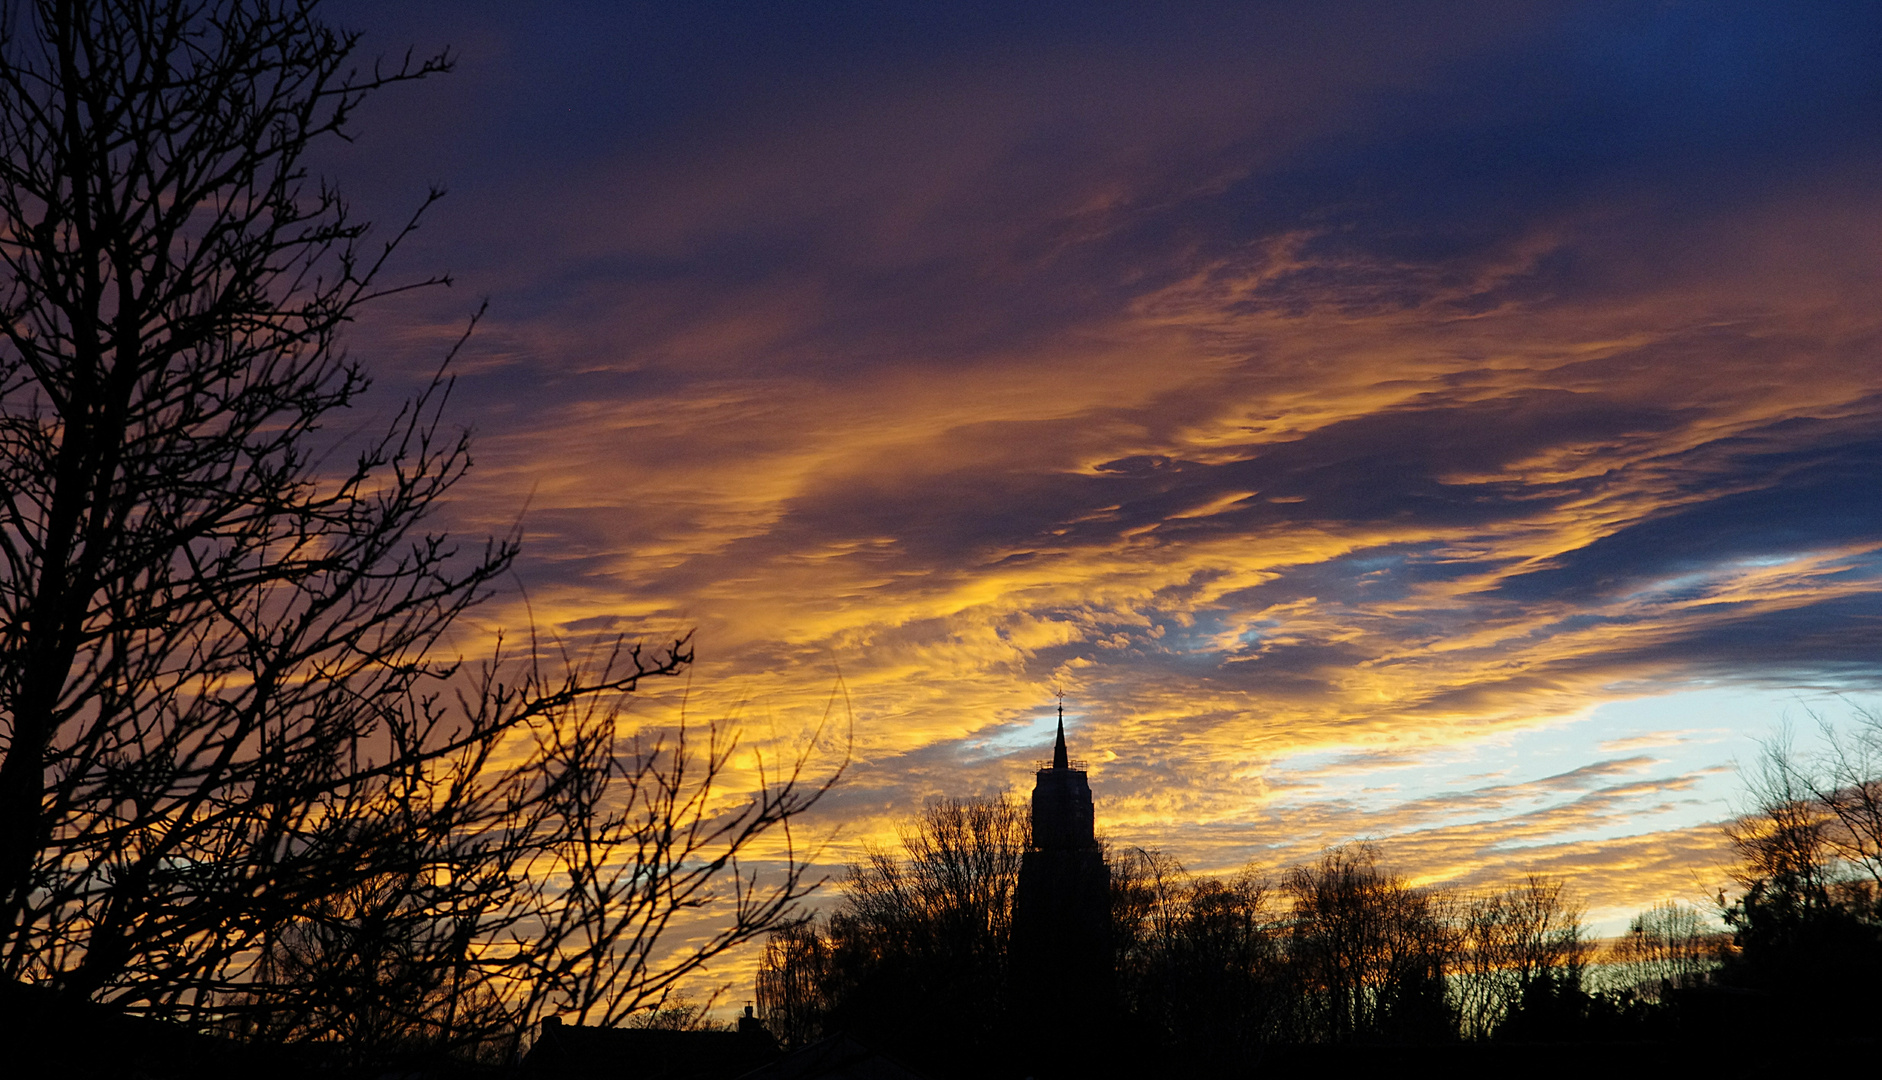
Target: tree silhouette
(1522, 955)
(241, 780)
(1370, 951)
(1807, 920)
(915, 956)
(1845, 783)
(794, 985)
(1666, 947)
(1200, 961)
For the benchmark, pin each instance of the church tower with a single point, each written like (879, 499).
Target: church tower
(1061, 949)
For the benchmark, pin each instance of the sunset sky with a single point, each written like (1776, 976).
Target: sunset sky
(1452, 424)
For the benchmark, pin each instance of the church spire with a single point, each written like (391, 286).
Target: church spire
(1059, 760)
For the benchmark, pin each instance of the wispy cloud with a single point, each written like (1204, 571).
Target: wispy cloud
(1276, 385)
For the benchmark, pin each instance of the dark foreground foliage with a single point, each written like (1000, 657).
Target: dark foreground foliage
(1343, 962)
(248, 784)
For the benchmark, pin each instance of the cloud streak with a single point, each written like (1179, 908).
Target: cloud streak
(1377, 383)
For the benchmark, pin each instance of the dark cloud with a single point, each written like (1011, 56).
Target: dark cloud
(1777, 504)
(1277, 379)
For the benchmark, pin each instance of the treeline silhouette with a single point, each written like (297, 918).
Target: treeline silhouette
(1226, 973)
(250, 783)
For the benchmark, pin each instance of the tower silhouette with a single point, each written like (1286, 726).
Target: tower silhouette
(1061, 947)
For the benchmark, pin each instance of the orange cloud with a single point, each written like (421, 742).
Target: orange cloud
(1306, 420)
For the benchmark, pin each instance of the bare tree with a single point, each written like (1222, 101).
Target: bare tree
(1148, 889)
(794, 983)
(1666, 947)
(1807, 920)
(1370, 951)
(232, 747)
(964, 857)
(622, 842)
(1848, 785)
(1787, 861)
(916, 953)
(373, 975)
(680, 1012)
(552, 886)
(950, 891)
(1519, 944)
(1200, 959)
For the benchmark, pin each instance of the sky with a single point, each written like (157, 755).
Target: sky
(1455, 425)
